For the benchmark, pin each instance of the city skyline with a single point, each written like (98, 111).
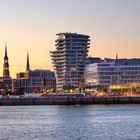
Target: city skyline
(32, 26)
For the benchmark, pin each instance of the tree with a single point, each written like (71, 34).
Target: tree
(82, 84)
(68, 87)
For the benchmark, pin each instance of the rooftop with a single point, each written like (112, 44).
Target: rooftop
(133, 61)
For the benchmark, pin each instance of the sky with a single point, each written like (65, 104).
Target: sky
(31, 25)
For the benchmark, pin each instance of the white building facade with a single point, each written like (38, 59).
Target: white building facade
(121, 71)
(69, 59)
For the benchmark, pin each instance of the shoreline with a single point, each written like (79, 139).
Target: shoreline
(70, 101)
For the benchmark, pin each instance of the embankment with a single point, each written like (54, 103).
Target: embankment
(71, 101)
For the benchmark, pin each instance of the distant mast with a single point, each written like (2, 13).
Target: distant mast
(6, 72)
(28, 63)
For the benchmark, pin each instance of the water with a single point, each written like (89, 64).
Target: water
(70, 122)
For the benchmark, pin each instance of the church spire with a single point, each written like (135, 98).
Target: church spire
(28, 63)
(6, 72)
(6, 50)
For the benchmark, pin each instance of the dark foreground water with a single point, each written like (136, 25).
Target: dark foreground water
(70, 122)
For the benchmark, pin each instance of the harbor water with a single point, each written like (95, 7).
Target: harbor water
(90, 122)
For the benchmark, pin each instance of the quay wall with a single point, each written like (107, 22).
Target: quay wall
(71, 101)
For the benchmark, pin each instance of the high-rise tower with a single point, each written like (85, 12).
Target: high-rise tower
(69, 59)
(6, 72)
(28, 63)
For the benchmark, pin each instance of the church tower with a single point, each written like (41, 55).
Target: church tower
(28, 63)
(6, 72)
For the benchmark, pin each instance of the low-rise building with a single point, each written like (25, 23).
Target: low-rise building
(35, 81)
(91, 60)
(5, 85)
(119, 71)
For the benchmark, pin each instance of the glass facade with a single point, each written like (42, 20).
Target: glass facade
(106, 74)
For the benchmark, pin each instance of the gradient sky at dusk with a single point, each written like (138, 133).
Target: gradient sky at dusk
(114, 27)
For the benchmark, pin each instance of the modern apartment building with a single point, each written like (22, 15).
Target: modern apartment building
(69, 59)
(119, 71)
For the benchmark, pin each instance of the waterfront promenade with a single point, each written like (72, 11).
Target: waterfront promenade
(70, 101)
